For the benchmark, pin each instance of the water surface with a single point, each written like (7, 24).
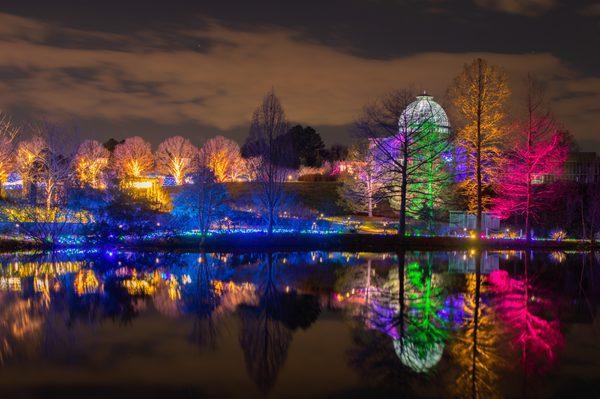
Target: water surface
(315, 324)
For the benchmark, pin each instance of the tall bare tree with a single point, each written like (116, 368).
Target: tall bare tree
(267, 145)
(479, 94)
(8, 133)
(404, 141)
(175, 156)
(53, 166)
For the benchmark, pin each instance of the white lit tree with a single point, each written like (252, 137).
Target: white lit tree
(175, 156)
(224, 159)
(361, 187)
(90, 161)
(133, 157)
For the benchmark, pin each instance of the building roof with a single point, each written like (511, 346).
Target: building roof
(423, 110)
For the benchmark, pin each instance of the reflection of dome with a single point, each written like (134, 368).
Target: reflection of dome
(424, 110)
(410, 357)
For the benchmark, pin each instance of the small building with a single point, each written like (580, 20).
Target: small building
(582, 167)
(465, 221)
(148, 188)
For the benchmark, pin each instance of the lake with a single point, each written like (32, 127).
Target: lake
(108, 323)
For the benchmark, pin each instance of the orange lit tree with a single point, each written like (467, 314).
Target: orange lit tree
(223, 158)
(8, 133)
(133, 157)
(479, 94)
(90, 161)
(175, 156)
(28, 152)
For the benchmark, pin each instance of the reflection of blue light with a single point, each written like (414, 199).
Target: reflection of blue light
(169, 181)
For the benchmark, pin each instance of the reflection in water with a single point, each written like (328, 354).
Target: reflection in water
(409, 316)
(476, 345)
(421, 345)
(530, 316)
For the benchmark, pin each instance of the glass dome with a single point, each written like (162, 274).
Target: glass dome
(424, 110)
(419, 362)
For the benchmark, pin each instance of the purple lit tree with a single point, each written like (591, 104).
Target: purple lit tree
(408, 139)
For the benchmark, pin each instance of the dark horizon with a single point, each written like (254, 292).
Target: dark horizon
(121, 69)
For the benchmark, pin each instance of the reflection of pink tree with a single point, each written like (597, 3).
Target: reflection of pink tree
(535, 335)
(540, 151)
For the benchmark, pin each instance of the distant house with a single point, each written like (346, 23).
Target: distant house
(582, 167)
(461, 221)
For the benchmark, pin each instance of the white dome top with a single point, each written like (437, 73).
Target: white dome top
(423, 110)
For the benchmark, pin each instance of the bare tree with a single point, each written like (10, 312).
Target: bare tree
(175, 157)
(133, 157)
(8, 133)
(47, 163)
(224, 158)
(405, 141)
(266, 143)
(53, 166)
(204, 201)
(90, 161)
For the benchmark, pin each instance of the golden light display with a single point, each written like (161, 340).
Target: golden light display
(133, 157)
(479, 93)
(175, 157)
(86, 282)
(90, 161)
(27, 154)
(222, 156)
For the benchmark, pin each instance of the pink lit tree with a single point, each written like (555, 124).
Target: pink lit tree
(525, 185)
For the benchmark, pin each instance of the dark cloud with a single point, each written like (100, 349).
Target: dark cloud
(200, 69)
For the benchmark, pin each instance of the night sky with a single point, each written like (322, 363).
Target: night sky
(123, 68)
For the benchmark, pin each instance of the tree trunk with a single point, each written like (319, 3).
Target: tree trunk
(403, 189)
(478, 149)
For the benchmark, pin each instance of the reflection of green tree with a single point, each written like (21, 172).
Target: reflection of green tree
(421, 345)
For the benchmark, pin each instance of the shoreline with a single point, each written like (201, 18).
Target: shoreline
(283, 242)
